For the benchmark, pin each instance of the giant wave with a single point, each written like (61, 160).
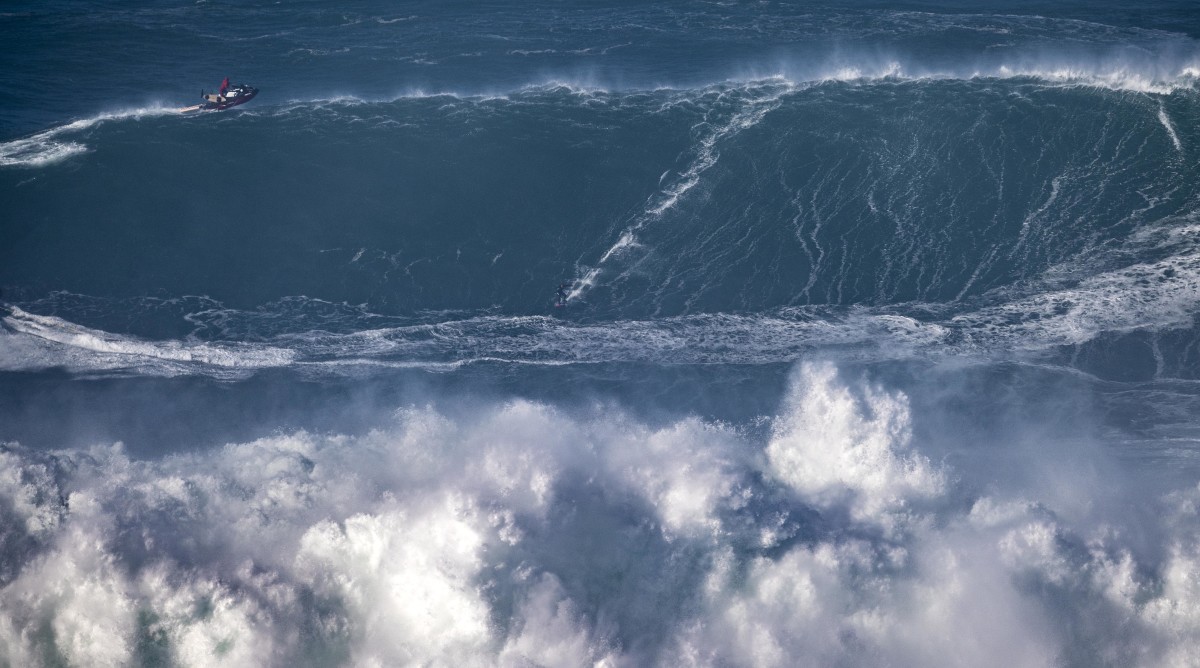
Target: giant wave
(880, 344)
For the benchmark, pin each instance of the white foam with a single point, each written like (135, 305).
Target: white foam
(1166, 122)
(38, 150)
(832, 445)
(205, 621)
(1161, 69)
(685, 471)
(1069, 305)
(1151, 296)
(401, 19)
(79, 590)
(1157, 295)
(455, 541)
(1154, 74)
(22, 485)
(553, 632)
(843, 603)
(406, 578)
(52, 146)
(38, 342)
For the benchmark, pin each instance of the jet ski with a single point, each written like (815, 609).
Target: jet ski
(232, 97)
(226, 96)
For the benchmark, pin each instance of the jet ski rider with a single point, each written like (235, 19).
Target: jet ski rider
(219, 97)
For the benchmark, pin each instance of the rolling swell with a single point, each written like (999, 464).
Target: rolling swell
(943, 201)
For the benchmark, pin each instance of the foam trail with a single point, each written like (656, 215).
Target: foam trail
(706, 156)
(1166, 121)
(39, 150)
(50, 146)
(39, 342)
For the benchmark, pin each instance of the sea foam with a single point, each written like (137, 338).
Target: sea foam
(521, 533)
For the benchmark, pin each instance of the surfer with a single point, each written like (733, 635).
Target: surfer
(561, 294)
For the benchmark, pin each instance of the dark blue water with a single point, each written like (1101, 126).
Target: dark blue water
(880, 345)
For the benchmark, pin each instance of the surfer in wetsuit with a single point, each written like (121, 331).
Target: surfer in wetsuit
(561, 294)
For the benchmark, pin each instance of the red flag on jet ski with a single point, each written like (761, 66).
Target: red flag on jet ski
(224, 86)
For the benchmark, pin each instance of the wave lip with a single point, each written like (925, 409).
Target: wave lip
(1100, 72)
(1158, 72)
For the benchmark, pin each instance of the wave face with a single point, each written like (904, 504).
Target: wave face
(879, 344)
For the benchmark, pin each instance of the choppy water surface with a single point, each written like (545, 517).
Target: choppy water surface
(881, 343)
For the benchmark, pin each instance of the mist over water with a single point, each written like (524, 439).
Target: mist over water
(880, 345)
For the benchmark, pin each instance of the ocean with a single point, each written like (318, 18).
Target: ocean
(880, 344)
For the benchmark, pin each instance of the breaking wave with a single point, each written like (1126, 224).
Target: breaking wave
(527, 535)
(879, 346)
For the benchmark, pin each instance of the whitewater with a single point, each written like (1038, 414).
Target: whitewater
(880, 344)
